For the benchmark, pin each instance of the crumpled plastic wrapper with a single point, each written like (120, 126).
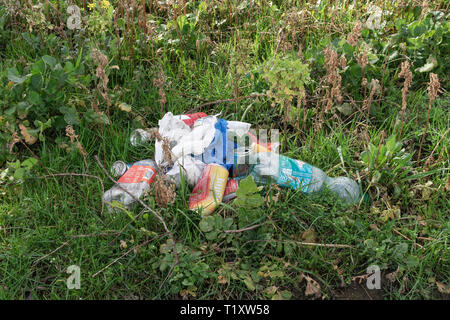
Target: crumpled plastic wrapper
(184, 140)
(196, 141)
(189, 167)
(238, 128)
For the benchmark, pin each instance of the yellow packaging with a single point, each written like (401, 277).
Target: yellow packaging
(209, 190)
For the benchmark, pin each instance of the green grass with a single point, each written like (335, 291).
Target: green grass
(49, 223)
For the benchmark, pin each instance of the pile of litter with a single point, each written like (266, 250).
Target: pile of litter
(212, 155)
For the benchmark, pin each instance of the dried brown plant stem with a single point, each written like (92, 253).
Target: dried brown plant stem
(363, 60)
(407, 75)
(332, 77)
(313, 244)
(142, 21)
(159, 82)
(433, 90)
(425, 9)
(368, 102)
(353, 37)
(70, 132)
(150, 210)
(326, 245)
(102, 87)
(164, 190)
(244, 229)
(17, 138)
(427, 163)
(50, 253)
(406, 238)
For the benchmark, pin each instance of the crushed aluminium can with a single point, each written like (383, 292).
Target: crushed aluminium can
(136, 181)
(139, 173)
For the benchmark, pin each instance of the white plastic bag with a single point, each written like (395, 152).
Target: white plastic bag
(189, 167)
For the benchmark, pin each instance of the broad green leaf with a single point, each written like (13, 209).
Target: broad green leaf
(345, 109)
(390, 143)
(365, 157)
(207, 224)
(211, 235)
(70, 115)
(246, 186)
(10, 111)
(35, 98)
(14, 165)
(49, 60)
(68, 67)
(36, 82)
(38, 68)
(19, 173)
(42, 127)
(250, 201)
(14, 76)
(249, 283)
(227, 223)
(29, 163)
(276, 274)
(218, 222)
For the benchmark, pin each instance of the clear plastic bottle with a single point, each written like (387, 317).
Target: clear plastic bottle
(297, 174)
(140, 137)
(136, 180)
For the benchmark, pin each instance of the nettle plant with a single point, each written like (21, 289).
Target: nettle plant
(182, 34)
(424, 41)
(248, 202)
(191, 270)
(17, 171)
(287, 77)
(214, 226)
(386, 163)
(37, 99)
